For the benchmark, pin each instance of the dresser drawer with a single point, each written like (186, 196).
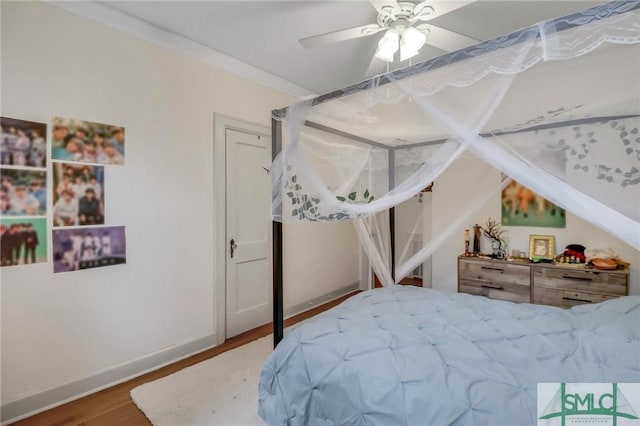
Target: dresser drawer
(494, 272)
(566, 298)
(511, 292)
(609, 283)
(496, 280)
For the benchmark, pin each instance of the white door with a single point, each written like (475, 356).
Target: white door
(249, 275)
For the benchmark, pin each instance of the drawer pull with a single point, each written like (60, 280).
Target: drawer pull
(492, 269)
(575, 299)
(492, 287)
(569, 277)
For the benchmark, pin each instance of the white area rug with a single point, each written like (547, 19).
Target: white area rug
(221, 391)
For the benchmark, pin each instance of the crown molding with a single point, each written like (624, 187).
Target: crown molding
(138, 28)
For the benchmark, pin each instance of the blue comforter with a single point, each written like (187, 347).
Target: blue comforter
(407, 355)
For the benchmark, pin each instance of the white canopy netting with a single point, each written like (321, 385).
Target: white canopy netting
(555, 107)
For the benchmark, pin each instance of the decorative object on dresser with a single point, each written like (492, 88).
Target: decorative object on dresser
(477, 229)
(573, 253)
(604, 263)
(495, 233)
(545, 284)
(466, 242)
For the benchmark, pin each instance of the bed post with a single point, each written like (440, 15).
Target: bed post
(392, 212)
(278, 306)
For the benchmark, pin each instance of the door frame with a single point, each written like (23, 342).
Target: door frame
(220, 125)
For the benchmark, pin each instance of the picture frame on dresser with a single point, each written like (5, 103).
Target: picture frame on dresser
(542, 245)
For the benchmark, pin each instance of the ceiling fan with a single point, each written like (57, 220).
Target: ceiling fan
(406, 29)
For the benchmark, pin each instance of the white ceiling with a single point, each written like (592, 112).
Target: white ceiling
(265, 34)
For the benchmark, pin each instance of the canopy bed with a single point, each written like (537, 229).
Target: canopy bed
(555, 106)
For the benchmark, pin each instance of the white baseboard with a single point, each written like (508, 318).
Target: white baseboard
(50, 398)
(320, 300)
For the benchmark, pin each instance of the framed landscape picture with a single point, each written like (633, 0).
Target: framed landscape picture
(523, 207)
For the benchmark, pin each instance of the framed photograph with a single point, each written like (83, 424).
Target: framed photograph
(86, 141)
(85, 248)
(542, 245)
(23, 143)
(523, 207)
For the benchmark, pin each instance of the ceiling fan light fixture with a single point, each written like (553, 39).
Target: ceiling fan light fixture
(388, 46)
(412, 39)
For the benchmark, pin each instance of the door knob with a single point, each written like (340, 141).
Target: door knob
(232, 246)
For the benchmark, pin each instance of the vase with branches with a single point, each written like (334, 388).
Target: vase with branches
(496, 234)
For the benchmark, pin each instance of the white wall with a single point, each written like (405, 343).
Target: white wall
(319, 259)
(447, 193)
(59, 328)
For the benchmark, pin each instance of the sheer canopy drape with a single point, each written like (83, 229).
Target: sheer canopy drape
(555, 107)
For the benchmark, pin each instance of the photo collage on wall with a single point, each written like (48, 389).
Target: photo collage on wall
(74, 185)
(23, 192)
(80, 151)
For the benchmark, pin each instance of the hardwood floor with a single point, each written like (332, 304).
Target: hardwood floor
(113, 406)
(417, 282)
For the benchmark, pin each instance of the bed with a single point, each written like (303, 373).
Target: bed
(407, 355)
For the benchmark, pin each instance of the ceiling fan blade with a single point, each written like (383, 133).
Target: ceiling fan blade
(438, 8)
(384, 6)
(447, 40)
(341, 35)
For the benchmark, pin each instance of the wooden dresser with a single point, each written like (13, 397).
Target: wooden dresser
(540, 283)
